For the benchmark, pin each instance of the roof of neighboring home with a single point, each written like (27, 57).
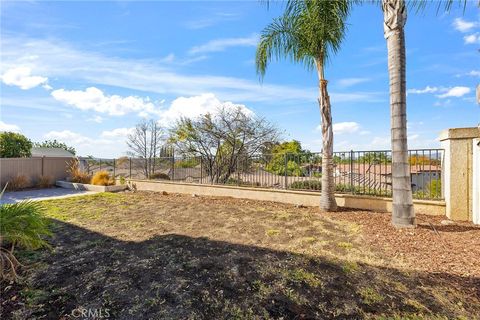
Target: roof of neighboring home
(51, 152)
(385, 169)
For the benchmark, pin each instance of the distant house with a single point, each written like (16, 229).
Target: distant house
(372, 174)
(51, 153)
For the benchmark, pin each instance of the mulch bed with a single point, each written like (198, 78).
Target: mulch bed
(432, 246)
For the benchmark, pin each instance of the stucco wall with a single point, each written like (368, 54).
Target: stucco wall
(458, 175)
(286, 196)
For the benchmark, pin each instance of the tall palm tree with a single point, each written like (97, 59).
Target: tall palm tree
(310, 32)
(394, 19)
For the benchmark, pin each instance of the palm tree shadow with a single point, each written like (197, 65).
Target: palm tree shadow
(178, 277)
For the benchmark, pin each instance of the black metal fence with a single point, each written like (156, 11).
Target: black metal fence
(355, 172)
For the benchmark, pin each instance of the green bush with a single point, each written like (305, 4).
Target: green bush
(432, 190)
(22, 225)
(187, 163)
(317, 185)
(14, 145)
(293, 168)
(307, 185)
(159, 176)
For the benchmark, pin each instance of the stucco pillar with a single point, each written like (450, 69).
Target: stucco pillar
(457, 178)
(476, 181)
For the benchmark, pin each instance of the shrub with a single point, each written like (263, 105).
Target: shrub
(187, 163)
(434, 188)
(102, 178)
(18, 182)
(292, 169)
(44, 182)
(123, 181)
(159, 176)
(77, 175)
(22, 224)
(307, 185)
(14, 145)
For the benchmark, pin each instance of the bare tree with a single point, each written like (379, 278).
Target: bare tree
(147, 141)
(223, 140)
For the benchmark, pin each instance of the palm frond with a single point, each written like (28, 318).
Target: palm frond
(23, 224)
(308, 31)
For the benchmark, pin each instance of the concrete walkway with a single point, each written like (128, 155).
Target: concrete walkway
(42, 194)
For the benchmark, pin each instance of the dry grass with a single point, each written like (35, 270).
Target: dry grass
(102, 178)
(176, 256)
(44, 182)
(75, 174)
(18, 182)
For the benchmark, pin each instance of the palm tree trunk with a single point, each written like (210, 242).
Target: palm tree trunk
(395, 16)
(327, 197)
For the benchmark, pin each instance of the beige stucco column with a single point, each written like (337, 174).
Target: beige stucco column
(457, 177)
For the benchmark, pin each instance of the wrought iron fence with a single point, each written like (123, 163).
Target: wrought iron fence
(355, 172)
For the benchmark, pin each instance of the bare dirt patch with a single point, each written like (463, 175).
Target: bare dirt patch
(152, 256)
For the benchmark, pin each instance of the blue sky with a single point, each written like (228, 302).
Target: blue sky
(87, 72)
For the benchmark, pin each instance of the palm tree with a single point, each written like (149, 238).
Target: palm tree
(394, 19)
(310, 32)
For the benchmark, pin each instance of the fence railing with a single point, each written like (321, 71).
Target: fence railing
(355, 172)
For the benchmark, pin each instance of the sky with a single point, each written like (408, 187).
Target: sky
(86, 73)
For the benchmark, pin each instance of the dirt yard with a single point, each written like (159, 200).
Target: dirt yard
(153, 256)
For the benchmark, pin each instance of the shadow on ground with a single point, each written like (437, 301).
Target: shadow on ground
(179, 277)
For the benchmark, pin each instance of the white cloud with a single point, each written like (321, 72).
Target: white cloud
(348, 82)
(96, 119)
(211, 20)
(472, 38)
(463, 25)
(22, 78)
(345, 127)
(59, 59)
(427, 89)
(97, 146)
(222, 44)
(455, 92)
(380, 143)
(445, 103)
(413, 137)
(69, 136)
(117, 133)
(94, 99)
(195, 106)
(8, 127)
(474, 73)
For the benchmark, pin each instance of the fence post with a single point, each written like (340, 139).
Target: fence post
(130, 168)
(285, 173)
(201, 170)
(43, 165)
(238, 173)
(114, 169)
(173, 164)
(100, 165)
(352, 189)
